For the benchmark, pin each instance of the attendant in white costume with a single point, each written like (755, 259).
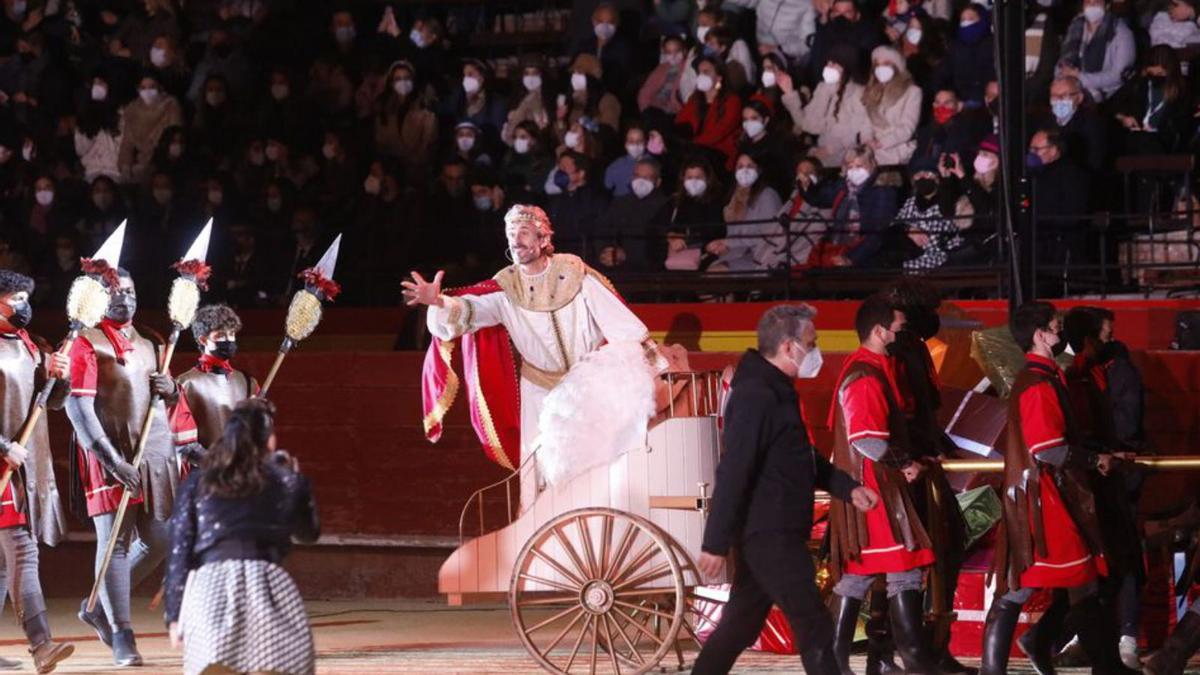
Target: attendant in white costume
(555, 307)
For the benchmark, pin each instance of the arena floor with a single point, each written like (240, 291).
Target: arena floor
(362, 637)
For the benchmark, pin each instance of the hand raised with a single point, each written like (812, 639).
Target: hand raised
(422, 292)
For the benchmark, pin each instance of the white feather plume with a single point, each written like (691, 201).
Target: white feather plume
(598, 412)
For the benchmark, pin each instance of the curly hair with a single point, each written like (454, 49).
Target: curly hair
(211, 318)
(14, 282)
(919, 301)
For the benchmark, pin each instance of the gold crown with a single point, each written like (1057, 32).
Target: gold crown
(525, 214)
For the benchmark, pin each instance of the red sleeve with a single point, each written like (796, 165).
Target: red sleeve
(866, 409)
(83, 368)
(689, 114)
(181, 421)
(1042, 423)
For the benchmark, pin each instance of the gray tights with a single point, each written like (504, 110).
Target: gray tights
(856, 586)
(132, 562)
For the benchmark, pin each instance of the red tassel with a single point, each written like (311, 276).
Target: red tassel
(319, 285)
(196, 270)
(101, 270)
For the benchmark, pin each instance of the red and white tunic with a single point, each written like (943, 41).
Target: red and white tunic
(866, 408)
(1068, 562)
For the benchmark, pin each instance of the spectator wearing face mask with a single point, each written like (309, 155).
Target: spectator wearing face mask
(223, 57)
(767, 88)
(534, 101)
(1176, 25)
(611, 49)
(272, 213)
(145, 24)
(469, 146)
(1060, 198)
(98, 131)
(931, 218)
(404, 128)
(174, 156)
(737, 51)
(583, 137)
(631, 235)
(103, 213)
(1041, 48)
(923, 46)
(950, 129)
(57, 270)
(807, 221)
(473, 101)
(844, 25)
(345, 44)
(674, 17)
(835, 113)
(1154, 108)
(893, 105)
(526, 164)
(142, 123)
(898, 16)
(620, 172)
(697, 217)
(1098, 49)
(659, 95)
(753, 237)
(860, 212)
(970, 62)
(169, 68)
(280, 106)
(587, 97)
(657, 148)
(1082, 128)
(218, 201)
(218, 124)
(772, 151)
(979, 232)
(712, 116)
(335, 180)
(740, 69)
(785, 25)
(426, 51)
(575, 209)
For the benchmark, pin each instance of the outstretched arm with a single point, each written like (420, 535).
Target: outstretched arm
(449, 316)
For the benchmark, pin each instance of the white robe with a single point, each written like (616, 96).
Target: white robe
(593, 316)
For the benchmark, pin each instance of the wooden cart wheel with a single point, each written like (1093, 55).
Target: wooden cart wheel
(598, 591)
(700, 613)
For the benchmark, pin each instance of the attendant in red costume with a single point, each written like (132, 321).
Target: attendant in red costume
(1049, 536)
(871, 444)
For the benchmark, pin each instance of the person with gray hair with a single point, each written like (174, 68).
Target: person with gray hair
(762, 503)
(861, 210)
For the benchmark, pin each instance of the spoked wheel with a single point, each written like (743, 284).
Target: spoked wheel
(700, 609)
(598, 591)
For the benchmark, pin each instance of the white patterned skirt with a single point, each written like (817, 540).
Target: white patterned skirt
(245, 615)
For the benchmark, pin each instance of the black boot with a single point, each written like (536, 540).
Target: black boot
(845, 622)
(1098, 635)
(997, 636)
(46, 652)
(1174, 655)
(124, 649)
(98, 621)
(881, 651)
(1038, 642)
(908, 631)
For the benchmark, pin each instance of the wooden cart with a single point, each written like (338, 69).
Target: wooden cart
(599, 572)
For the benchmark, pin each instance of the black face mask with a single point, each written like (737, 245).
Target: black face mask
(224, 349)
(1060, 346)
(22, 314)
(122, 307)
(926, 187)
(840, 23)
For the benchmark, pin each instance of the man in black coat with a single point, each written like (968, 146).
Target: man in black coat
(1060, 201)
(762, 502)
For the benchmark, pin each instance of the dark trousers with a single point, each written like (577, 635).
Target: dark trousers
(772, 569)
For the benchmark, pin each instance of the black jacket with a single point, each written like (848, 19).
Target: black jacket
(766, 479)
(206, 528)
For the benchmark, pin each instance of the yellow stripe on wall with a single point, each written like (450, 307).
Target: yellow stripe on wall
(831, 341)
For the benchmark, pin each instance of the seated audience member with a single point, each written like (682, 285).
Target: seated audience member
(710, 17)
(1175, 26)
(403, 127)
(807, 222)
(526, 164)
(923, 47)
(534, 101)
(631, 235)
(753, 237)
(771, 149)
(932, 217)
(578, 205)
(1060, 200)
(712, 116)
(660, 93)
(861, 211)
(835, 114)
(979, 230)
(1155, 108)
(620, 171)
(1082, 127)
(845, 26)
(697, 217)
(949, 130)
(970, 63)
(473, 100)
(1098, 49)
(588, 97)
(607, 44)
(893, 107)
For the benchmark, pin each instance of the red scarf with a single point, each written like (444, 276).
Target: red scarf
(29, 344)
(211, 364)
(120, 343)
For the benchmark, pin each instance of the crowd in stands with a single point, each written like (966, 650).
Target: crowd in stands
(744, 135)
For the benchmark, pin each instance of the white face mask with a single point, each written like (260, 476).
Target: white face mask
(831, 75)
(702, 32)
(578, 81)
(215, 197)
(967, 23)
(99, 92)
(984, 163)
(746, 176)
(809, 366)
(44, 197)
(371, 185)
(471, 85)
(403, 87)
(521, 145)
(605, 30)
(149, 96)
(175, 150)
(532, 82)
(858, 175)
(274, 204)
(158, 56)
(329, 151)
(465, 143)
(272, 153)
(885, 73)
(279, 91)
(753, 127)
(695, 186)
(768, 79)
(705, 83)
(913, 35)
(641, 187)
(635, 150)
(1093, 13)
(415, 36)
(671, 59)
(571, 139)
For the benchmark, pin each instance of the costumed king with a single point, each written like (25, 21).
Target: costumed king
(553, 307)
(29, 505)
(113, 378)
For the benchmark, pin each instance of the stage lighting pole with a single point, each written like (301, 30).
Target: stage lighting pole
(1012, 214)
